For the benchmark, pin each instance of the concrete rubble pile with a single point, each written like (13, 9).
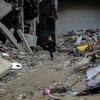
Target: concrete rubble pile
(18, 59)
(84, 47)
(71, 39)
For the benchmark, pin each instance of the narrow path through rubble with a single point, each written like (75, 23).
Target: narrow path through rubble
(27, 83)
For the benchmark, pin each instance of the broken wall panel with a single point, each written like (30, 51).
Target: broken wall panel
(5, 8)
(26, 45)
(6, 32)
(5, 67)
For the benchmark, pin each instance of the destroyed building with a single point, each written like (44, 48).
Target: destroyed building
(16, 14)
(27, 72)
(49, 17)
(33, 17)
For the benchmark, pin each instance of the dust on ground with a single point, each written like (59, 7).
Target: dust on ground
(26, 84)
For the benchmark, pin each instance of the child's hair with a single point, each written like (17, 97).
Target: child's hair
(49, 37)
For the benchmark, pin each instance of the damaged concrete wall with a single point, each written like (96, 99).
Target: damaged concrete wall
(5, 8)
(77, 15)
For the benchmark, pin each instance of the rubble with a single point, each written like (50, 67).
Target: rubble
(5, 67)
(92, 78)
(83, 46)
(19, 58)
(72, 66)
(68, 42)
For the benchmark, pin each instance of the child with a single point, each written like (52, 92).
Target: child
(51, 46)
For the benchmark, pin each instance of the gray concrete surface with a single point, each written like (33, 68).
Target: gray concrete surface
(5, 67)
(5, 8)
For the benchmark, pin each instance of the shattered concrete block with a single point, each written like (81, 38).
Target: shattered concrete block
(5, 67)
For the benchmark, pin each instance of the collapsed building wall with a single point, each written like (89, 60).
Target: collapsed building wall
(10, 12)
(12, 19)
(5, 8)
(31, 8)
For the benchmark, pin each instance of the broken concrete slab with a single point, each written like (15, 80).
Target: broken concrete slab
(5, 67)
(9, 36)
(32, 40)
(92, 78)
(27, 47)
(5, 8)
(84, 61)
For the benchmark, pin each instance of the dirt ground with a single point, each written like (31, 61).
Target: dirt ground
(26, 84)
